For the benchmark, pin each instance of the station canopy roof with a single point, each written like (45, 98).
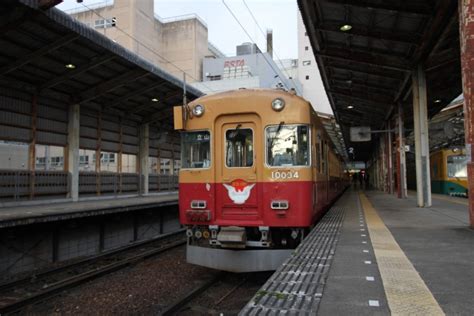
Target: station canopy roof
(366, 51)
(36, 44)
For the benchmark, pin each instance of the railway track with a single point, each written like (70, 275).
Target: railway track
(17, 294)
(219, 290)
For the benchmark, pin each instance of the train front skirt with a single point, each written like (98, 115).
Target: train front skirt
(242, 260)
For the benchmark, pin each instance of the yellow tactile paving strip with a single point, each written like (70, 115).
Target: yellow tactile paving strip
(407, 293)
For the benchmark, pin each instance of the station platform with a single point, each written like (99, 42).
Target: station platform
(376, 254)
(50, 212)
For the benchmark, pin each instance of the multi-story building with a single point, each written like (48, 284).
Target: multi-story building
(14, 156)
(176, 44)
(308, 72)
(250, 68)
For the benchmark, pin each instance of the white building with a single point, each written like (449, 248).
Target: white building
(308, 72)
(250, 68)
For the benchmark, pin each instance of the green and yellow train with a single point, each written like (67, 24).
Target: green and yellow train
(449, 172)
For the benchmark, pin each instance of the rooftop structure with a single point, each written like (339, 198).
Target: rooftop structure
(178, 44)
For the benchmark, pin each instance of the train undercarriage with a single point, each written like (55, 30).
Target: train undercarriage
(241, 249)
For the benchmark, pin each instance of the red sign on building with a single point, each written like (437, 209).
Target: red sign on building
(234, 63)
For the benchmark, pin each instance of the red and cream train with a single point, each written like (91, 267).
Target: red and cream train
(258, 170)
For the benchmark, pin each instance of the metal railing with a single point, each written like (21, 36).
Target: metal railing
(24, 184)
(16, 185)
(162, 182)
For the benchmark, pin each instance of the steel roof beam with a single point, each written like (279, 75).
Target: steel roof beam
(120, 100)
(14, 19)
(164, 98)
(364, 31)
(38, 53)
(364, 58)
(379, 98)
(407, 7)
(362, 83)
(110, 85)
(95, 62)
(359, 103)
(373, 108)
(366, 71)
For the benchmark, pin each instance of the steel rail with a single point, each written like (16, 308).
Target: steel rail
(67, 283)
(36, 276)
(174, 308)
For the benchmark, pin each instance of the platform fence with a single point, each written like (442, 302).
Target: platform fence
(18, 185)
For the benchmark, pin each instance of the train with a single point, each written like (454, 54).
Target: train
(258, 170)
(449, 172)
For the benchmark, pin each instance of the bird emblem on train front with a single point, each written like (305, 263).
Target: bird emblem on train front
(239, 190)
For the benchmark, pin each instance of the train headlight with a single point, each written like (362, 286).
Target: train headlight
(278, 104)
(198, 110)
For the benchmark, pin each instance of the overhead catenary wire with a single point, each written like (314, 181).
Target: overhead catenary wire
(273, 48)
(148, 47)
(251, 39)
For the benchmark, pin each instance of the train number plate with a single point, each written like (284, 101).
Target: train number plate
(285, 175)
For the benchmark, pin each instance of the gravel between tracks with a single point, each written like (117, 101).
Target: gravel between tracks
(228, 296)
(145, 288)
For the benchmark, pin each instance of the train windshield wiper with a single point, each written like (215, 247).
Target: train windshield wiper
(276, 134)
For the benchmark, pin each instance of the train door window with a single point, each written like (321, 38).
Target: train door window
(196, 150)
(457, 166)
(239, 147)
(288, 145)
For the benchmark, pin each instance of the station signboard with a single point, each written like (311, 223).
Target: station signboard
(360, 134)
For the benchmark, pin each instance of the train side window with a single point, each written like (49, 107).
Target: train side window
(320, 153)
(324, 158)
(239, 147)
(196, 150)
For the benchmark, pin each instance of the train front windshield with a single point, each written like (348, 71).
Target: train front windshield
(196, 150)
(287, 145)
(457, 166)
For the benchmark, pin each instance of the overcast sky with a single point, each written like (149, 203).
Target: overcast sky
(224, 32)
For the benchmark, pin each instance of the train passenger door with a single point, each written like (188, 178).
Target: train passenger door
(238, 160)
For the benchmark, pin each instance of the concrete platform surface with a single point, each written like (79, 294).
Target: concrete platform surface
(389, 256)
(24, 215)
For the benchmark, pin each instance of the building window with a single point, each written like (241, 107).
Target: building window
(306, 48)
(83, 160)
(57, 161)
(104, 23)
(40, 162)
(306, 62)
(307, 77)
(214, 78)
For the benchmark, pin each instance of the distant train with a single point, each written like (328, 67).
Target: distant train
(449, 172)
(258, 170)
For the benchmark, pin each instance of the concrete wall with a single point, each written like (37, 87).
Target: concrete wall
(183, 42)
(24, 249)
(13, 156)
(122, 10)
(179, 47)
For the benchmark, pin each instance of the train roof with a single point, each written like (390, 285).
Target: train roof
(246, 92)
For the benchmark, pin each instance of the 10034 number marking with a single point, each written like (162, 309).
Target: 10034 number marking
(285, 175)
